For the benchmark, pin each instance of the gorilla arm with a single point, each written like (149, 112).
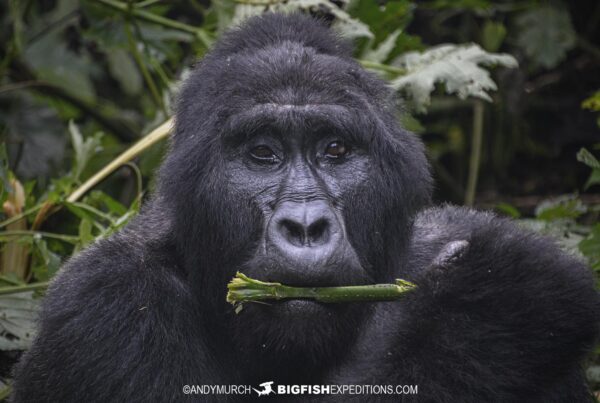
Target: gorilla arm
(118, 324)
(504, 316)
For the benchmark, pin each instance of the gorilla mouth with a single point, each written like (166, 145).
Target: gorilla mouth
(337, 276)
(335, 273)
(296, 311)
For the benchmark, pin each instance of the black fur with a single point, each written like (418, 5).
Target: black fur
(499, 315)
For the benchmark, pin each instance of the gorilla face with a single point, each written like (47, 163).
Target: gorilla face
(298, 167)
(290, 167)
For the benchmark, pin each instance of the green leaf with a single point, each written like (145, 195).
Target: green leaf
(594, 179)
(592, 103)
(85, 232)
(587, 158)
(51, 259)
(456, 66)
(51, 61)
(508, 210)
(124, 70)
(383, 18)
(81, 213)
(590, 247)
(113, 206)
(84, 150)
(546, 35)
(410, 123)
(121, 222)
(461, 4)
(493, 35)
(560, 208)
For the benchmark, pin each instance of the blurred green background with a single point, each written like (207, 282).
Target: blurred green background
(505, 94)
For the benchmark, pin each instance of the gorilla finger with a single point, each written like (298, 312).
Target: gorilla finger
(451, 253)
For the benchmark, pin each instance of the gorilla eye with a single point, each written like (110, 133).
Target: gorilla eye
(336, 149)
(263, 153)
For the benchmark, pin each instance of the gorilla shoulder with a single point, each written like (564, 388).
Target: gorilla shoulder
(500, 314)
(107, 316)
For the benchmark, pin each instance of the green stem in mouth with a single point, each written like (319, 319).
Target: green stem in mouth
(245, 289)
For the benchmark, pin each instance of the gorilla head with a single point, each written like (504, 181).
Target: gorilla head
(287, 164)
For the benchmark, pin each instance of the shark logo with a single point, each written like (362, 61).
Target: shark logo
(267, 389)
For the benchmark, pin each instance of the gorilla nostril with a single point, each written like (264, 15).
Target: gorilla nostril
(318, 232)
(292, 231)
(304, 228)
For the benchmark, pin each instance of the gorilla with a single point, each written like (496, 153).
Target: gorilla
(287, 163)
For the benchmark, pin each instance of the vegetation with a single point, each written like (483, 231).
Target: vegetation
(505, 95)
(245, 289)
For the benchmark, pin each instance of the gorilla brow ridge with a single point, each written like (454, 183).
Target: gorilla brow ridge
(339, 118)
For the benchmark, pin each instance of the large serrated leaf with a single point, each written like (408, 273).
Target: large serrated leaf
(344, 23)
(546, 35)
(18, 313)
(458, 67)
(383, 50)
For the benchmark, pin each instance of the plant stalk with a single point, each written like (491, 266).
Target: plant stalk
(145, 142)
(475, 160)
(382, 67)
(153, 137)
(22, 288)
(245, 289)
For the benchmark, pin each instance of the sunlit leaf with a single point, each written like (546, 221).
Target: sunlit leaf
(383, 50)
(458, 67)
(18, 313)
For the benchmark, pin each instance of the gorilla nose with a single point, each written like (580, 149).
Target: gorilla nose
(300, 233)
(304, 228)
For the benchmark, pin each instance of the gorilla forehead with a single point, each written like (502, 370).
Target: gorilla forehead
(291, 73)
